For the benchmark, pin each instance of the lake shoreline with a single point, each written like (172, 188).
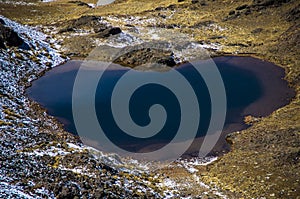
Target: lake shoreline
(263, 161)
(254, 110)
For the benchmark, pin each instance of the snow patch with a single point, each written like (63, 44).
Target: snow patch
(19, 127)
(11, 191)
(189, 164)
(46, 1)
(92, 5)
(18, 3)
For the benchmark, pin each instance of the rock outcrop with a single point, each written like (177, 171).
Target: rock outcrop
(9, 37)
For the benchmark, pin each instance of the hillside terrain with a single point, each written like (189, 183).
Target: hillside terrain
(39, 159)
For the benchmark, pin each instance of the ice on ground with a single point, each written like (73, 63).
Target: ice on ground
(190, 164)
(46, 1)
(11, 191)
(18, 126)
(18, 3)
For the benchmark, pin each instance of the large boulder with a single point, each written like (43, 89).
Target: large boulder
(10, 38)
(2, 22)
(84, 22)
(108, 32)
(138, 57)
(266, 3)
(2, 45)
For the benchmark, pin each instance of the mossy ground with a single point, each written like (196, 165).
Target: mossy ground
(265, 159)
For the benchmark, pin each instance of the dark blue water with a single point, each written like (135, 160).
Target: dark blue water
(252, 87)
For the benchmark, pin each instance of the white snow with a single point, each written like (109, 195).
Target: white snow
(46, 1)
(18, 128)
(82, 171)
(189, 164)
(8, 191)
(53, 151)
(172, 188)
(18, 3)
(12, 72)
(92, 5)
(120, 40)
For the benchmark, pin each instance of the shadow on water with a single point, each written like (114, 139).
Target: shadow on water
(249, 85)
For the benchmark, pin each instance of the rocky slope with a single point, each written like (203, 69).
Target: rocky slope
(38, 159)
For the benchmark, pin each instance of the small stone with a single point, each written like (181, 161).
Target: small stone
(110, 31)
(242, 7)
(232, 12)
